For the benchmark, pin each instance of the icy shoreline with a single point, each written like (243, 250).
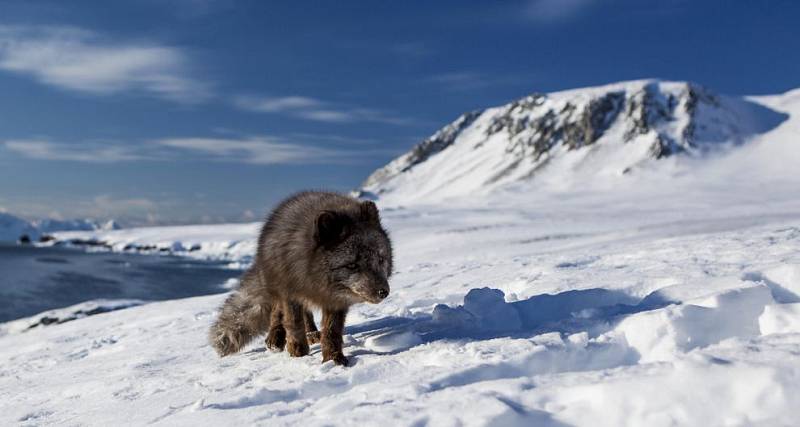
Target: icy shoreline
(221, 242)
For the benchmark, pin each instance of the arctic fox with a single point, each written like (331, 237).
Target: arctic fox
(316, 249)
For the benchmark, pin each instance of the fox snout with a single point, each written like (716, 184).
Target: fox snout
(379, 291)
(382, 291)
(372, 289)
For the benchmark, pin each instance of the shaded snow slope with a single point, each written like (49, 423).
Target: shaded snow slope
(12, 227)
(570, 139)
(676, 307)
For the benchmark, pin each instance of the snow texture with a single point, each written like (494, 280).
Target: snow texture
(669, 297)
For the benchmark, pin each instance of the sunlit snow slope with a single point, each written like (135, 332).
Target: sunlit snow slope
(571, 139)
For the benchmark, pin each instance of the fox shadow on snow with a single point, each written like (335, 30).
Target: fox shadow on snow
(486, 315)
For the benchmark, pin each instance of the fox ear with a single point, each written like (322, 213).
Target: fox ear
(369, 212)
(331, 228)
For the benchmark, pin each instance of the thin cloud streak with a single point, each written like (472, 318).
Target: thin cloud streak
(83, 61)
(276, 105)
(256, 150)
(555, 11)
(90, 152)
(456, 81)
(261, 150)
(315, 110)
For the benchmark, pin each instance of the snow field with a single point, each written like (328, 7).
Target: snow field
(506, 315)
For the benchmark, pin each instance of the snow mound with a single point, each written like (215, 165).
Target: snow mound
(780, 319)
(660, 334)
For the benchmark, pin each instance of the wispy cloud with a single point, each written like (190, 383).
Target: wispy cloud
(277, 105)
(90, 152)
(470, 80)
(260, 149)
(555, 11)
(84, 61)
(414, 50)
(257, 150)
(315, 109)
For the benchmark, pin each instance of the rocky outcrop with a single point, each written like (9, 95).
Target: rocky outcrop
(646, 119)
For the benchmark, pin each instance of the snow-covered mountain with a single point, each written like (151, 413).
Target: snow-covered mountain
(573, 136)
(12, 227)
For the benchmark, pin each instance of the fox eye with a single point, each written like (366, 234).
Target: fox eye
(352, 266)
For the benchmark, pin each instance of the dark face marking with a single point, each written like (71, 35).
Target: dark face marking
(361, 263)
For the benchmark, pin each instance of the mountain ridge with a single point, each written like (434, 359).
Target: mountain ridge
(628, 122)
(12, 228)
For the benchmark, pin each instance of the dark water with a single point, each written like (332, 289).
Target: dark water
(33, 280)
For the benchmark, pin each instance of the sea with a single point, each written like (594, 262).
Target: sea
(35, 279)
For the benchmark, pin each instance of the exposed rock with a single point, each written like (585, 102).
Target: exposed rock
(636, 121)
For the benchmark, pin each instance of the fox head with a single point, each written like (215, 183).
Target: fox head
(356, 251)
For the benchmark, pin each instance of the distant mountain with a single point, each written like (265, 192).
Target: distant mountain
(590, 133)
(12, 227)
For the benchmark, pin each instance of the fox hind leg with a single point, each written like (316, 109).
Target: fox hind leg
(294, 322)
(312, 334)
(276, 338)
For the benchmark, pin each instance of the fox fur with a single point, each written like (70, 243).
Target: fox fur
(316, 250)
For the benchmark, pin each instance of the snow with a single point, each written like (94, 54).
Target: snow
(66, 314)
(587, 311)
(235, 242)
(670, 297)
(12, 227)
(541, 141)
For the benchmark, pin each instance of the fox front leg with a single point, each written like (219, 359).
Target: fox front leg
(331, 336)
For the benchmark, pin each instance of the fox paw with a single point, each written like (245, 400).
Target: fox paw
(276, 341)
(313, 337)
(297, 349)
(338, 359)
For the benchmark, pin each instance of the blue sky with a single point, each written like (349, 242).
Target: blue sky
(183, 111)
